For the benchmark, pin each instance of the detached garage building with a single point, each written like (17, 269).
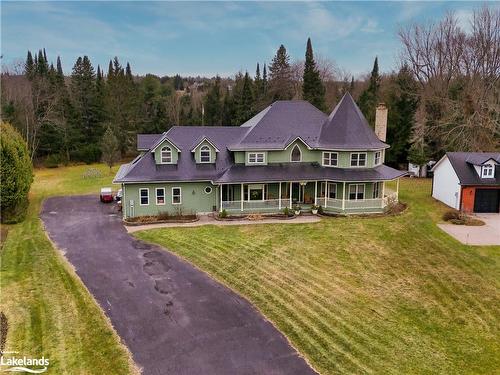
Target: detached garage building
(468, 181)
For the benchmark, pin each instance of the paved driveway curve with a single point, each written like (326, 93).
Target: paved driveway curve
(174, 318)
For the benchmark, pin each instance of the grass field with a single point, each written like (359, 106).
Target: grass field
(49, 311)
(390, 295)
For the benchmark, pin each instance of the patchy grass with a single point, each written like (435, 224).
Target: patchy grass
(48, 309)
(391, 295)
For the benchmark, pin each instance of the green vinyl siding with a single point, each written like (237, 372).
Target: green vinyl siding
(284, 156)
(239, 157)
(197, 152)
(157, 152)
(193, 199)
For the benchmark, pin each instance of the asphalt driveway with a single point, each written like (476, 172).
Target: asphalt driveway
(173, 317)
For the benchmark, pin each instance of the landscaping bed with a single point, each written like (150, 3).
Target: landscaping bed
(160, 219)
(460, 218)
(253, 217)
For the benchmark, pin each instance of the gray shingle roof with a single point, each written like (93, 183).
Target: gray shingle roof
(463, 164)
(146, 141)
(305, 171)
(273, 127)
(346, 128)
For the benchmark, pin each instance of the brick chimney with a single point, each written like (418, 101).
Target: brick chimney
(381, 122)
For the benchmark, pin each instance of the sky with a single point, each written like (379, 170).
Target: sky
(208, 38)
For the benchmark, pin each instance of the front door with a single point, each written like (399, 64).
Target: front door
(297, 192)
(487, 200)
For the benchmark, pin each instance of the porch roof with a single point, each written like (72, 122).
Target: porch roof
(305, 172)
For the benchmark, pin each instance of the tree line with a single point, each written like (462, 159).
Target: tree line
(443, 97)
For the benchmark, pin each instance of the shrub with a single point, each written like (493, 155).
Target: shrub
(223, 214)
(16, 175)
(92, 173)
(320, 210)
(52, 161)
(286, 211)
(450, 215)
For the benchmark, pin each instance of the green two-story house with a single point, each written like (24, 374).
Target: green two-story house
(289, 154)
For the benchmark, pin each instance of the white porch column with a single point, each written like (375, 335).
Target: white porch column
(397, 189)
(343, 196)
(326, 195)
(315, 193)
(383, 189)
(220, 204)
(290, 194)
(242, 196)
(279, 197)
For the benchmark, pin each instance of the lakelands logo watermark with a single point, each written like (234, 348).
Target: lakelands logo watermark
(31, 365)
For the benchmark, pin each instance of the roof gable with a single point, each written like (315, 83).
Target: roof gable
(163, 138)
(464, 165)
(276, 125)
(207, 140)
(346, 128)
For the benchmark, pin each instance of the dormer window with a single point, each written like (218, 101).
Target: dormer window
(256, 158)
(296, 154)
(205, 154)
(166, 155)
(487, 171)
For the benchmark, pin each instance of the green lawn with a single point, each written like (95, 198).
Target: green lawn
(49, 310)
(388, 295)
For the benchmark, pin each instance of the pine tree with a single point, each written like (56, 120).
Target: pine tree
(29, 66)
(83, 92)
(258, 82)
(213, 104)
(313, 89)
(264, 81)
(110, 70)
(351, 87)
(228, 111)
(244, 102)
(128, 73)
(280, 76)
(402, 104)
(369, 99)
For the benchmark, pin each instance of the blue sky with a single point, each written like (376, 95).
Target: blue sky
(209, 38)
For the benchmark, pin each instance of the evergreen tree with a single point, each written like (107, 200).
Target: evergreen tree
(369, 99)
(258, 83)
(351, 87)
(228, 110)
(264, 81)
(29, 66)
(213, 104)
(128, 73)
(110, 70)
(83, 92)
(244, 102)
(313, 89)
(280, 76)
(402, 104)
(16, 174)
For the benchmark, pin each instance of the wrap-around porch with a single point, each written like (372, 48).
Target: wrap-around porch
(333, 196)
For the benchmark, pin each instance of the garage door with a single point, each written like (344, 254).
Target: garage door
(487, 200)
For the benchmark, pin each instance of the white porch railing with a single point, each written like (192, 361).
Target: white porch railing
(328, 203)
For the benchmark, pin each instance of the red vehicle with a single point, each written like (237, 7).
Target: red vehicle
(106, 195)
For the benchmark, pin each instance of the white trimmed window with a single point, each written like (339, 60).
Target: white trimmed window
(166, 155)
(488, 171)
(205, 154)
(330, 159)
(378, 157)
(160, 196)
(296, 154)
(356, 192)
(144, 196)
(176, 195)
(256, 158)
(332, 190)
(358, 159)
